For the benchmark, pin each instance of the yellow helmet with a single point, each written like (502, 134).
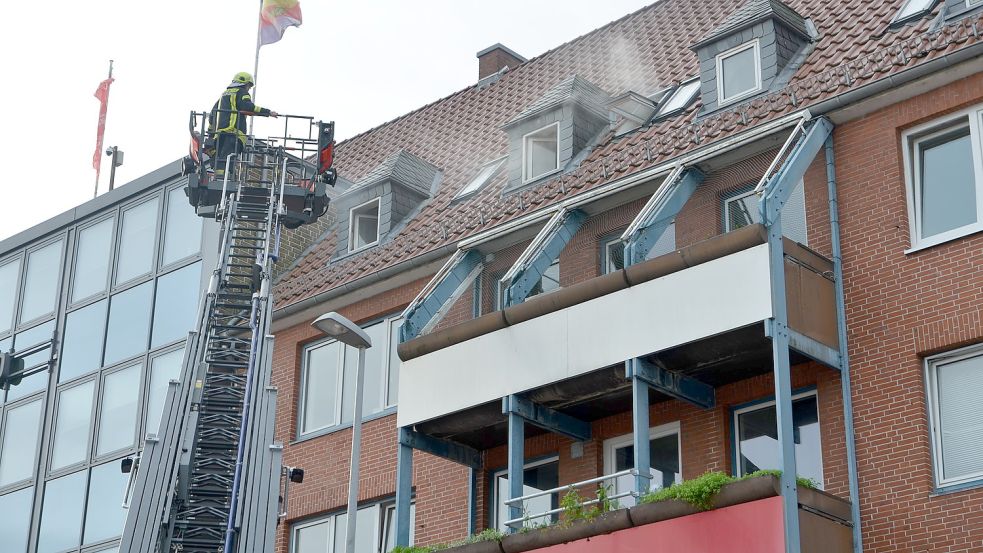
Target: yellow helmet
(242, 78)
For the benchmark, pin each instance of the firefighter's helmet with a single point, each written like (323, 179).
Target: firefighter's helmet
(242, 78)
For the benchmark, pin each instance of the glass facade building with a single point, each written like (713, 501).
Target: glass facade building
(114, 285)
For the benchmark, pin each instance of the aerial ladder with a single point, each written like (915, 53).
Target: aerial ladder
(209, 480)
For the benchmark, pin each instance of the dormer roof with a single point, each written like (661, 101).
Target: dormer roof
(753, 12)
(404, 168)
(573, 88)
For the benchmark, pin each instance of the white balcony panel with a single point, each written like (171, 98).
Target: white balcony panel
(714, 297)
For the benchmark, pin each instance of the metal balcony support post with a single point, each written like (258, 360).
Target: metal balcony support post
(851, 446)
(658, 213)
(546, 418)
(640, 427)
(517, 455)
(545, 248)
(404, 488)
(430, 306)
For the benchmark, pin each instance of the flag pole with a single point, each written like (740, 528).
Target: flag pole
(96, 191)
(259, 37)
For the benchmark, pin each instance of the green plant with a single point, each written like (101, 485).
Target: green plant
(801, 480)
(411, 549)
(698, 492)
(488, 534)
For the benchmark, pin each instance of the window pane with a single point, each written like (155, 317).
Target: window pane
(664, 461)
(61, 513)
(538, 478)
(961, 426)
(136, 243)
(681, 97)
(614, 257)
(372, 395)
(8, 293)
(739, 75)
(72, 425)
(129, 323)
(313, 539)
(41, 282)
(182, 228)
(18, 450)
(393, 393)
(104, 514)
(84, 332)
(366, 530)
(365, 225)
(541, 150)
(176, 305)
(26, 339)
(948, 184)
(322, 382)
(120, 392)
(165, 368)
(16, 520)
(742, 210)
(758, 434)
(92, 260)
(390, 537)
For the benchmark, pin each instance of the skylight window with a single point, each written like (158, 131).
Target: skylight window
(540, 152)
(363, 228)
(913, 9)
(680, 98)
(738, 73)
(482, 178)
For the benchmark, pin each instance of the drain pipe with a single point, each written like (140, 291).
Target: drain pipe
(851, 447)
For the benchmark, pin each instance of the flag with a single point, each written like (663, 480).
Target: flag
(274, 18)
(102, 94)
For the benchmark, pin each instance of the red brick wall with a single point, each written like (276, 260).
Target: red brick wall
(899, 308)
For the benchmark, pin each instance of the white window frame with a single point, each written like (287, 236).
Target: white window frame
(676, 100)
(606, 252)
(721, 100)
(526, 177)
(382, 509)
(771, 403)
(503, 285)
(505, 472)
(392, 333)
(352, 227)
(931, 380)
(482, 177)
(972, 3)
(611, 445)
(732, 199)
(910, 139)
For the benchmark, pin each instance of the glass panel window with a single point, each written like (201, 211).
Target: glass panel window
(41, 282)
(681, 98)
(543, 475)
(129, 323)
(136, 242)
(955, 386)
(61, 513)
(948, 183)
(374, 532)
(757, 431)
(549, 282)
(104, 514)
(366, 530)
(364, 225)
(8, 293)
(619, 455)
(540, 152)
(117, 421)
(481, 179)
(176, 305)
(392, 390)
(82, 349)
(741, 210)
(389, 532)
(738, 72)
(72, 424)
(313, 538)
(92, 260)
(19, 447)
(15, 524)
(182, 228)
(163, 369)
(614, 255)
(38, 381)
(321, 385)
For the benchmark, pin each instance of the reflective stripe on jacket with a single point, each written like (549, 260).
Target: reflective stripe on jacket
(229, 111)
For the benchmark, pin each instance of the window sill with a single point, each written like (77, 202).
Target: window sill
(949, 489)
(946, 237)
(331, 430)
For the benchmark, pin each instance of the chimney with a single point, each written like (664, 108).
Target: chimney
(492, 59)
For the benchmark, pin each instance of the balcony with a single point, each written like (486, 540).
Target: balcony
(698, 312)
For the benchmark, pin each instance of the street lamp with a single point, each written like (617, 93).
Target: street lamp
(347, 332)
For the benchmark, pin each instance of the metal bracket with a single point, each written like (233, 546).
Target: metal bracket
(528, 270)
(673, 384)
(777, 189)
(547, 418)
(447, 449)
(658, 213)
(428, 308)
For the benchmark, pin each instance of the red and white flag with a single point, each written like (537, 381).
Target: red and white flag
(275, 17)
(102, 94)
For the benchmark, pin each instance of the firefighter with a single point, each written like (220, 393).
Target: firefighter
(228, 118)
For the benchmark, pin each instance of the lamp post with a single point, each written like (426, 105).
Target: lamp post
(348, 333)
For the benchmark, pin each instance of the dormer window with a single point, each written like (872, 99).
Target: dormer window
(738, 72)
(540, 152)
(364, 225)
(481, 179)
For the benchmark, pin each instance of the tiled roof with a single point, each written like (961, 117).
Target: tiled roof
(640, 52)
(754, 11)
(403, 167)
(573, 88)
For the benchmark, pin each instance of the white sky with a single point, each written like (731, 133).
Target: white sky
(358, 63)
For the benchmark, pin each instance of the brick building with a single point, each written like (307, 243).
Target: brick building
(495, 220)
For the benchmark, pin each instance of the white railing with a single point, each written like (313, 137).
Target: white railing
(519, 501)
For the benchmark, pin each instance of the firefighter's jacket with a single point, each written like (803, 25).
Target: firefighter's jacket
(230, 108)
